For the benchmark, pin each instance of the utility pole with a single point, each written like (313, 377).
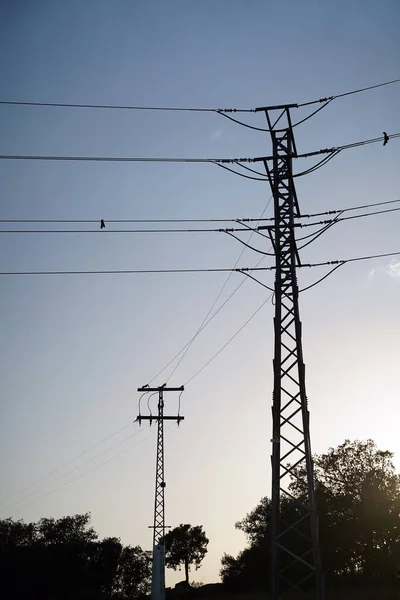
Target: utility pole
(295, 554)
(158, 567)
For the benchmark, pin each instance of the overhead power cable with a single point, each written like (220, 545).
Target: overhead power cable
(338, 263)
(241, 174)
(66, 464)
(338, 219)
(97, 221)
(134, 271)
(69, 471)
(244, 124)
(248, 245)
(183, 108)
(349, 208)
(348, 260)
(312, 114)
(217, 161)
(343, 147)
(337, 210)
(121, 159)
(86, 472)
(357, 91)
(206, 320)
(319, 164)
(105, 231)
(322, 278)
(251, 170)
(215, 270)
(233, 220)
(229, 341)
(316, 234)
(205, 323)
(126, 107)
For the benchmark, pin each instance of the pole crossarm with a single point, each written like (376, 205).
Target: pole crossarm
(150, 418)
(294, 531)
(146, 388)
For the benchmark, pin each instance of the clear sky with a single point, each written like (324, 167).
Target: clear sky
(75, 348)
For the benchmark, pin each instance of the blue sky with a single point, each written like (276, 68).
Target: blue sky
(75, 348)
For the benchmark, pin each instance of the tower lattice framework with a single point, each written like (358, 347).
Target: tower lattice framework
(295, 554)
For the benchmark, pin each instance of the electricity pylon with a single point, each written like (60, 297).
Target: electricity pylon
(158, 567)
(295, 554)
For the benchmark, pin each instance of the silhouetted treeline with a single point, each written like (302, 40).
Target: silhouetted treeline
(358, 501)
(63, 558)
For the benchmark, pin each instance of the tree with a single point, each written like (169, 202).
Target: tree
(132, 578)
(185, 545)
(248, 571)
(64, 559)
(74, 529)
(358, 502)
(358, 498)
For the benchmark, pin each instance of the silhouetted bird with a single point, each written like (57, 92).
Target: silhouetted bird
(385, 138)
(102, 224)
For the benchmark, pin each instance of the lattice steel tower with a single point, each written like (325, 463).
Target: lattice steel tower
(295, 554)
(158, 570)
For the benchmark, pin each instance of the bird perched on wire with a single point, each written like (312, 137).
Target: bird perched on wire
(385, 138)
(102, 224)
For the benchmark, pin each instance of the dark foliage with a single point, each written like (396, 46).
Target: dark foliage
(185, 545)
(63, 558)
(358, 501)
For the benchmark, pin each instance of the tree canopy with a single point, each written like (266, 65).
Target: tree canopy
(358, 502)
(63, 558)
(185, 545)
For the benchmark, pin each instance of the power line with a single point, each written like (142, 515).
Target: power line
(366, 142)
(205, 321)
(217, 161)
(133, 271)
(318, 165)
(312, 114)
(97, 221)
(86, 472)
(342, 210)
(126, 107)
(69, 472)
(316, 234)
(322, 278)
(241, 174)
(336, 148)
(357, 91)
(215, 270)
(183, 108)
(348, 260)
(229, 341)
(340, 263)
(230, 219)
(121, 159)
(24, 489)
(376, 212)
(105, 231)
(338, 219)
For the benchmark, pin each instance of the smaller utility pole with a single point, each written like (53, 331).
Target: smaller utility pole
(158, 569)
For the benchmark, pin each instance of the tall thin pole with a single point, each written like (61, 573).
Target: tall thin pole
(159, 500)
(158, 568)
(295, 554)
